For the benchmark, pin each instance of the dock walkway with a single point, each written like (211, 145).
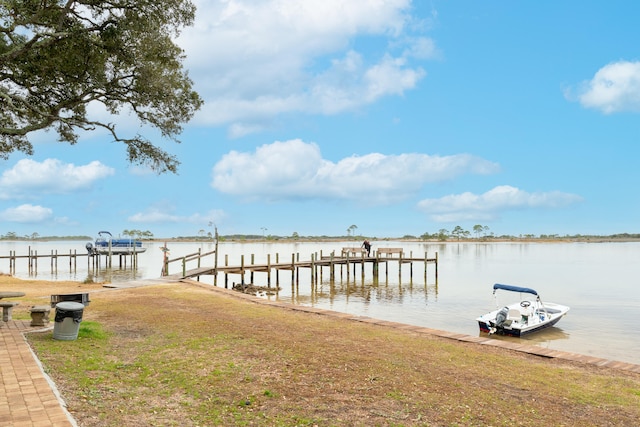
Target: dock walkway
(316, 264)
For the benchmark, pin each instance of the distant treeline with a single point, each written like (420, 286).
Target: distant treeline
(10, 236)
(442, 235)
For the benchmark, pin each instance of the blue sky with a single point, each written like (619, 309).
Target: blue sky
(398, 117)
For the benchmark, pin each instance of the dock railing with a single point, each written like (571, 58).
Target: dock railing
(196, 256)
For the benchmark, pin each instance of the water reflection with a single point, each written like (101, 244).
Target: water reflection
(542, 338)
(363, 292)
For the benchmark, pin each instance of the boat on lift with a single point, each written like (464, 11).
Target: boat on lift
(105, 244)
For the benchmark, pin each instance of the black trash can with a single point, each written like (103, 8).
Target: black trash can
(68, 318)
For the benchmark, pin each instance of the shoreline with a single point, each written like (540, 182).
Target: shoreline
(530, 349)
(312, 239)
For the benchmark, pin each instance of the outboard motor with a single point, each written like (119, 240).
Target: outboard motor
(89, 247)
(501, 316)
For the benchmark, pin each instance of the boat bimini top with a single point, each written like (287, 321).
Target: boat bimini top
(512, 288)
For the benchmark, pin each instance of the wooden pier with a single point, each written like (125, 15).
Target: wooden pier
(347, 262)
(93, 260)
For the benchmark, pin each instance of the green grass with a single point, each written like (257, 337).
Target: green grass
(92, 331)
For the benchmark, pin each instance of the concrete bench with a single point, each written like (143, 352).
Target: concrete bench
(40, 315)
(7, 308)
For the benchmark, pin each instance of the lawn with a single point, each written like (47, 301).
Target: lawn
(186, 354)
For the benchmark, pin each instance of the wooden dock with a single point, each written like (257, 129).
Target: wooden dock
(347, 262)
(93, 260)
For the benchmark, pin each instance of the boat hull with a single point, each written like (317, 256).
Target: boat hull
(118, 250)
(513, 332)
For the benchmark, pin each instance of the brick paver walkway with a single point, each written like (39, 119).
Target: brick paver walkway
(27, 396)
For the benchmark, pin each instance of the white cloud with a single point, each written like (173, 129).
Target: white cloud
(254, 60)
(614, 88)
(52, 176)
(296, 170)
(488, 206)
(421, 48)
(164, 214)
(26, 214)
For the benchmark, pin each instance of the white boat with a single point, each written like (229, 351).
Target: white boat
(105, 244)
(528, 315)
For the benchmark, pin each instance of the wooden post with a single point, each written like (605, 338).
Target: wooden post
(436, 268)
(242, 270)
(347, 267)
(165, 260)
(426, 261)
(253, 260)
(109, 255)
(215, 262)
(226, 275)
(332, 268)
(198, 263)
(313, 267)
(268, 270)
(376, 264)
(354, 267)
(411, 265)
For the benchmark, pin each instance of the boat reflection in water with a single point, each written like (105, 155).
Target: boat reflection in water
(542, 339)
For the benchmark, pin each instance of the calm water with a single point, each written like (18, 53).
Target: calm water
(599, 281)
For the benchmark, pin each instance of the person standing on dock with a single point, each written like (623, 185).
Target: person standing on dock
(367, 247)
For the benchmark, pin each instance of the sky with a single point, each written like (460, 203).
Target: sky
(397, 117)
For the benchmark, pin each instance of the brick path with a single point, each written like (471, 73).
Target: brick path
(27, 396)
